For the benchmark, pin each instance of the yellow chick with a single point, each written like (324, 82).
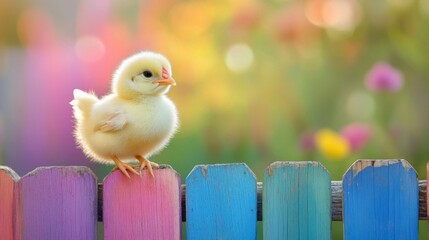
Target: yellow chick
(135, 121)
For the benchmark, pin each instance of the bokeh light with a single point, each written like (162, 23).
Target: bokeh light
(89, 48)
(239, 57)
(360, 104)
(342, 15)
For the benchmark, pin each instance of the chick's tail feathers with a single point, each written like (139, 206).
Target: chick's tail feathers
(82, 102)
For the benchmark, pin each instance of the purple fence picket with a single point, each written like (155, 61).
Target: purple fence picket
(143, 207)
(7, 182)
(58, 203)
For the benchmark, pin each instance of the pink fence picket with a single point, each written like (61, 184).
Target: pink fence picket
(58, 203)
(7, 182)
(143, 207)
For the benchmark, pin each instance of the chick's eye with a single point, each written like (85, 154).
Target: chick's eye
(147, 74)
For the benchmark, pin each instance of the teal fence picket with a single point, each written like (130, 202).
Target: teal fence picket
(296, 201)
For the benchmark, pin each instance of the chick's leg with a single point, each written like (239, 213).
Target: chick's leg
(123, 167)
(146, 163)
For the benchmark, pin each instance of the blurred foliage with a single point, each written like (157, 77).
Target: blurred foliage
(254, 77)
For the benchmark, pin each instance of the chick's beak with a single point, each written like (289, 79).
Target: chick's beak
(166, 79)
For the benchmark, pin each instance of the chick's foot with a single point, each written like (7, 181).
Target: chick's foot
(146, 163)
(123, 167)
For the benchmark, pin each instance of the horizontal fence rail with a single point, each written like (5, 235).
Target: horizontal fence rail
(376, 199)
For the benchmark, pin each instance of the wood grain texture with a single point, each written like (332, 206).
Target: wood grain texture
(336, 201)
(380, 200)
(296, 201)
(143, 207)
(7, 184)
(57, 203)
(221, 202)
(423, 200)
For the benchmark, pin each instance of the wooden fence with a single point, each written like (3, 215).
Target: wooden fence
(377, 199)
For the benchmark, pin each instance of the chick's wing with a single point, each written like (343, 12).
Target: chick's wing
(111, 122)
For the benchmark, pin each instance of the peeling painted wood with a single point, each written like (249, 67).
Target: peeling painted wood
(380, 200)
(143, 207)
(57, 203)
(221, 202)
(8, 179)
(336, 195)
(296, 201)
(427, 190)
(336, 201)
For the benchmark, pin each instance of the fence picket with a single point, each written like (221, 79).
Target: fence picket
(296, 201)
(380, 200)
(143, 207)
(7, 182)
(221, 202)
(58, 203)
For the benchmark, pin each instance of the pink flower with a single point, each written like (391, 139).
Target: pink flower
(357, 135)
(383, 77)
(307, 142)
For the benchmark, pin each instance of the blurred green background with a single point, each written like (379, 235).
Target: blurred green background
(258, 81)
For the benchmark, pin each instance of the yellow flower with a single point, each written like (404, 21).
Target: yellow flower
(331, 144)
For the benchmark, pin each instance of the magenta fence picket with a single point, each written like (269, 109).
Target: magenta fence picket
(61, 202)
(7, 184)
(143, 207)
(58, 203)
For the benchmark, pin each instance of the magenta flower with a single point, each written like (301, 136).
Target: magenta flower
(357, 135)
(307, 142)
(383, 77)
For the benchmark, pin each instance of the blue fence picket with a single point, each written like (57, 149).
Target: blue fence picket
(380, 200)
(296, 201)
(221, 202)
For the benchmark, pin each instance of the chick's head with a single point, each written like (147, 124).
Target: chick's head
(145, 73)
